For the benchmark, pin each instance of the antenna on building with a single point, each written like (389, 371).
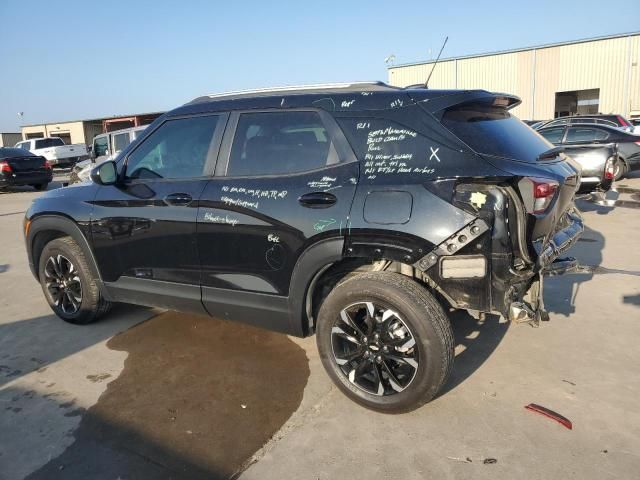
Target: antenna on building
(390, 59)
(426, 84)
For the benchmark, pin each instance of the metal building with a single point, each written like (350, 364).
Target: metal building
(83, 131)
(596, 75)
(9, 139)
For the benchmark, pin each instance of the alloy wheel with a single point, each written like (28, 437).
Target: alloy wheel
(63, 284)
(374, 348)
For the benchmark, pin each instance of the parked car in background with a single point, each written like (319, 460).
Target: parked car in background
(110, 144)
(21, 167)
(617, 121)
(104, 147)
(627, 144)
(533, 123)
(55, 151)
(359, 212)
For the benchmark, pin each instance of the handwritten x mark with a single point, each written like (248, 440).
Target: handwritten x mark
(434, 153)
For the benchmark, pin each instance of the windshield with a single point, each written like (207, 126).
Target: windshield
(14, 152)
(494, 131)
(49, 142)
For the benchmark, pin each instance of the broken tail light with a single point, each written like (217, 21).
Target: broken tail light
(537, 193)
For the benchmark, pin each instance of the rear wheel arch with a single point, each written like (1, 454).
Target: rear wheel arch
(325, 278)
(624, 167)
(311, 264)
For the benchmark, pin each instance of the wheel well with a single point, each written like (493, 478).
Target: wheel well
(623, 160)
(329, 277)
(39, 242)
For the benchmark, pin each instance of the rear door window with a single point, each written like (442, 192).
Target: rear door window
(492, 130)
(271, 143)
(585, 134)
(120, 141)
(49, 142)
(554, 135)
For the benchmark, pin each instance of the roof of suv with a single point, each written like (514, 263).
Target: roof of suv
(350, 87)
(353, 96)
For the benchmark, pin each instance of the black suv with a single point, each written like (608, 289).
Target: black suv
(359, 212)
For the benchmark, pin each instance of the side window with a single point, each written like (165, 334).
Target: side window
(280, 143)
(25, 145)
(583, 134)
(554, 135)
(555, 123)
(101, 146)
(607, 122)
(177, 149)
(120, 141)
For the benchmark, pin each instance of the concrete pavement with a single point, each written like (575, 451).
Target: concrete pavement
(583, 364)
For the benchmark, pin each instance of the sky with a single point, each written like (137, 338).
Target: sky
(73, 59)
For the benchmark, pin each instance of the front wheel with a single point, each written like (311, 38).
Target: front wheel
(68, 284)
(385, 341)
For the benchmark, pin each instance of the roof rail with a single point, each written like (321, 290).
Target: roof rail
(293, 88)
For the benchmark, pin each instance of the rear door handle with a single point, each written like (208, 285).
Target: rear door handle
(317, 200)
(178, 199)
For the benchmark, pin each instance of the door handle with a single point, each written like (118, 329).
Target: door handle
(317, 200)
(178, 199)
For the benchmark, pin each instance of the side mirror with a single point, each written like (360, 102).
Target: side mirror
(105, 174)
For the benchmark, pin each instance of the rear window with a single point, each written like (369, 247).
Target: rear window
(14, 152)
(49, 142)
(494, 131)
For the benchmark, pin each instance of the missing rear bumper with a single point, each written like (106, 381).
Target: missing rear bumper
(561, 241)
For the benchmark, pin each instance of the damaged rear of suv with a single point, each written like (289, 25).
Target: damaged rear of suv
(357, 212)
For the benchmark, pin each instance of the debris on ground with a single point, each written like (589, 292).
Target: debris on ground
(489, 461)
(565, 422)
(459, 459)
(570, 383)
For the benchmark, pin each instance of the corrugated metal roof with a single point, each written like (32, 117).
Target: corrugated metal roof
(515, 50)
(100, 119)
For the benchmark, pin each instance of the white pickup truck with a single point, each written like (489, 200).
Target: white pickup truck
(55, 151)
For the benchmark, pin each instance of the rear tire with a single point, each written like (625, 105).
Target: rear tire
(385, 341)
(621, 170)
(68, 284)
(40, 186)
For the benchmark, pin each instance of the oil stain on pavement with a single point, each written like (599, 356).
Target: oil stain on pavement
(196, 399)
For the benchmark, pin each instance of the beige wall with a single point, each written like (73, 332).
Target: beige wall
(612, 65)
(74, 129)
